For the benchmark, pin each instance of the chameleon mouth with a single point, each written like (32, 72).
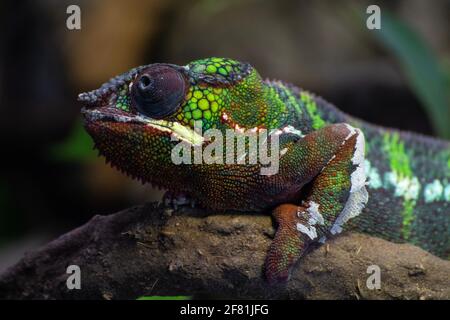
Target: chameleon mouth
(171, 128)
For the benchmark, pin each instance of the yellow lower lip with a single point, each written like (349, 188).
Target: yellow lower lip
(177, 130)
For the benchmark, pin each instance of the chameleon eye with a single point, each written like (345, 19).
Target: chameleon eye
(158, 91)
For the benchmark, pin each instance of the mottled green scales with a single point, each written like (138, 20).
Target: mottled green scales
(407, 183)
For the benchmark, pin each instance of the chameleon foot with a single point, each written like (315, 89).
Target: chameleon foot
(335, 195)
(288, 244)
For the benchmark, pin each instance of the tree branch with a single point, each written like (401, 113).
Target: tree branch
(152, 250)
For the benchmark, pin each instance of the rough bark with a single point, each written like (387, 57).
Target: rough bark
(152, 250)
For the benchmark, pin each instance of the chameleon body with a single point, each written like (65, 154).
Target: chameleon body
(335, 171)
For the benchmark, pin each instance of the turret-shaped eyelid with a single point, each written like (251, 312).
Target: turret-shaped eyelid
(158, 90)
(110, 88)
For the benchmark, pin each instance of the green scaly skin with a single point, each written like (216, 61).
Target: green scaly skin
(320, 186)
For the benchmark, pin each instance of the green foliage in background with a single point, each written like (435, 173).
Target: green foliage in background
(426, 76)
(78, 146)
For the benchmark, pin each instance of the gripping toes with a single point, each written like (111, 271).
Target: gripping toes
(297, 227)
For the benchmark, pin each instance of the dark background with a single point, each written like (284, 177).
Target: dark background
(50, 178)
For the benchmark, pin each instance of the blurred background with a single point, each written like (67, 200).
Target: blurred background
(52, 181)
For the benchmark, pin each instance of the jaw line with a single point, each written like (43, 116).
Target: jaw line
(174, 128)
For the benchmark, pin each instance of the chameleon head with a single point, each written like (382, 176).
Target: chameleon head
(134, 117)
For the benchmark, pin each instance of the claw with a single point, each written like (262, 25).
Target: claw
(175, 200)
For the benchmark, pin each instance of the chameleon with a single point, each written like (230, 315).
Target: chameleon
(336, 172)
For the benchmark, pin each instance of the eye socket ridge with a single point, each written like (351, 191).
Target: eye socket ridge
(158, 91)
